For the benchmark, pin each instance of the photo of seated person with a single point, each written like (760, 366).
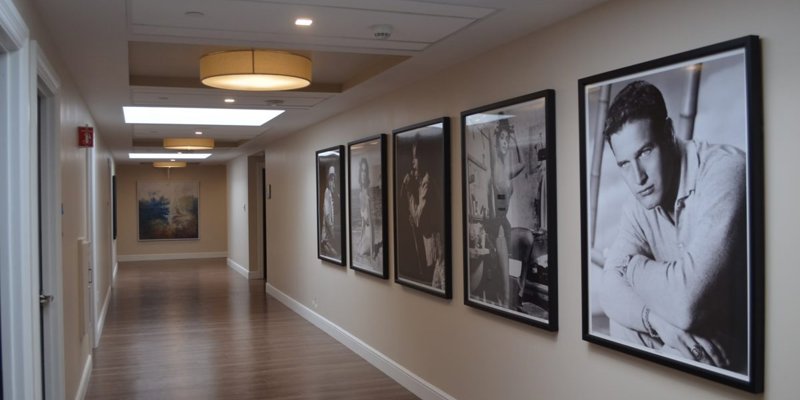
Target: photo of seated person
(675, 271)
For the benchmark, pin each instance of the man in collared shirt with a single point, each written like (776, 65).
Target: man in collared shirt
(674, 278)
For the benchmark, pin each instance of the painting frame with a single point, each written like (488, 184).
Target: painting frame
(724, 310)
(421, 171)
(527, 249)
(157, 218)
(372, 147)
(331, 231)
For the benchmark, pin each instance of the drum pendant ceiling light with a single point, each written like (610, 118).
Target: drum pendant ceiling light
(189, 143)
(255, 70)
(169, 164)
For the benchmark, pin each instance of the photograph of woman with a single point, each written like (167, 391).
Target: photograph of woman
(505, 167)
(510, 266)
(367, 205)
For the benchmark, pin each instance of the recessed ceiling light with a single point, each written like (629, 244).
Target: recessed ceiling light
(230, 100)
(198, 116)
(168, 156)
(198, 132)
(303, 21)
(195, 14)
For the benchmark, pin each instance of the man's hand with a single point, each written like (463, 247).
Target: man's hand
(688, 345)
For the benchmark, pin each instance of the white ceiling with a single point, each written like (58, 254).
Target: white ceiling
(146, 52)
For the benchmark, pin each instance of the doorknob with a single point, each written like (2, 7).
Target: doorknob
(45, 299)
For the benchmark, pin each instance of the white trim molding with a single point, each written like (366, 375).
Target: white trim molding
(415, 384)
(83, 386)
(101, 320)
(13, 30)
(170, 256)
(114, 275)
(19, 252)
(243, 271)
(50, 223)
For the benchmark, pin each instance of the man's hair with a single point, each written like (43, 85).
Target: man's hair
(637, 101)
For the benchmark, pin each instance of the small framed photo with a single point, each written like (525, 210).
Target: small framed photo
(509, 209)
(672, 211)
(330, 205)
(368, 220)
(421, 207)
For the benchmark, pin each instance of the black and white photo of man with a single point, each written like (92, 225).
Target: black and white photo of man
(670, 251)
(330, 205)
(328, 236)
(420, 207)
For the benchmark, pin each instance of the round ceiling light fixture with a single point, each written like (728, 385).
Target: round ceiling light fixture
(255, 70)
(189, 143)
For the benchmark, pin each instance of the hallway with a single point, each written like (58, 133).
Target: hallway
(194, 329)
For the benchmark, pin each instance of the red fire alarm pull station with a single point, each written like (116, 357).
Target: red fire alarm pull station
(85, 136)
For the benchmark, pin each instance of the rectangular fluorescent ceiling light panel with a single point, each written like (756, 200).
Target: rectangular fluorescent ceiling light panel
(167, 156)
(198, 116)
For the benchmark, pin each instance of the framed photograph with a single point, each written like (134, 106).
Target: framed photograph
(168, 210)
(367, 165)
(113, 207)
(672, 211)
(422, 207)
(509, 209)
(330, 205)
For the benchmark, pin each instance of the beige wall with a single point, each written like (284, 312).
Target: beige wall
(244, 236)
(73, 165)
(238, 216)
(472, 354)
(213, 206)
(254, 165)
(104, 165)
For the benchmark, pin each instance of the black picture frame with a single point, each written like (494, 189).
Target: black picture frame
(684, 254)
(113, 207)
(421, 159)
(509, 219)
(366, 164)
(331, 244)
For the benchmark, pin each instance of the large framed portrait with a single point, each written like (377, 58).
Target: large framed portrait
(421, 207)
(368, 235)
(672, 211)
(330, 205)
(168, 210)
(509, 208)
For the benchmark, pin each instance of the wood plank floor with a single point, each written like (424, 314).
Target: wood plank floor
(194, 329)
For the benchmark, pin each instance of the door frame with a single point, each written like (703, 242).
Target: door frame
(22, 373)
(48, 85)
(24, 70)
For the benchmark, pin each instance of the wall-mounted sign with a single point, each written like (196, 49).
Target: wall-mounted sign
(85, 136)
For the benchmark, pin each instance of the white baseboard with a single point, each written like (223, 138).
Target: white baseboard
(114, 275)
(84, 384)
(238, 268)
(420, 387)
(171, 256)
(101, 319)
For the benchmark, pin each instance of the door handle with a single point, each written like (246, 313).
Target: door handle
(45, 299)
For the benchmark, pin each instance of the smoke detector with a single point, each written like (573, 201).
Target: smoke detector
(382, 31)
